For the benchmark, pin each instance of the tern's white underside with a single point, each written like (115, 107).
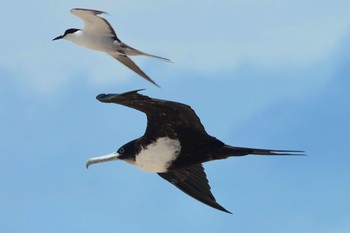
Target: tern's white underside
(93, 41)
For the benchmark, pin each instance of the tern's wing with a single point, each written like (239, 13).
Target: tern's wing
(94, 23)
(131, 65)
(130, 51)
(193, 181)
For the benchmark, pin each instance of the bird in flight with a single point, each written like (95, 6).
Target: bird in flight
(174, 145)
(99, 35)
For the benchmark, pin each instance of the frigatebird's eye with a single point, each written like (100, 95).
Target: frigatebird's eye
(121, 150)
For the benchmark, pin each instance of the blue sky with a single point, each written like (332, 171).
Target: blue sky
(264, 74)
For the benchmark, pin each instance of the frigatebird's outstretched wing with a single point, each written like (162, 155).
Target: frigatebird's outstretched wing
(164, 118)
(193, 181)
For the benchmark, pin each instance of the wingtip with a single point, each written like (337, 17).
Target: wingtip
(101, 96)
(155, 84)
(221, 208)
(228, 212)
(109, 97)
(225, 210)
(97, 12)
(168, 60)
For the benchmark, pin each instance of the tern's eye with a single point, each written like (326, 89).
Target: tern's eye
(121, 150)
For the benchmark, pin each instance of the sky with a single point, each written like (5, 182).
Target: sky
(264, 74)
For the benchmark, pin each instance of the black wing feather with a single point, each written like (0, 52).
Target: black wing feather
(163, 117)
(193, 181)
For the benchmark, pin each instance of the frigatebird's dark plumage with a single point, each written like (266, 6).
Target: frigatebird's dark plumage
(175, 145)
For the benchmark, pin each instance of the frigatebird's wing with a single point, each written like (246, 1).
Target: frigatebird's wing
(193, 181)
(164, 118)
(93, 23)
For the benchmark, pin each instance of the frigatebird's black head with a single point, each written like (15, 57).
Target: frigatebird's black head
(128, 151)
(67, 32)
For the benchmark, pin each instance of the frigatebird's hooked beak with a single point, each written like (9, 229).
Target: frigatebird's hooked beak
(104, 158)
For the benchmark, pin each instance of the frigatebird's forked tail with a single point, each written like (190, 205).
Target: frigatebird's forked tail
(230, 151)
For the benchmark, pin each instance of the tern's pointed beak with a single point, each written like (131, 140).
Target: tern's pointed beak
(58, 37)
(101, 159)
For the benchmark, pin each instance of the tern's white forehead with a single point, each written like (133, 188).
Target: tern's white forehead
(157, 156)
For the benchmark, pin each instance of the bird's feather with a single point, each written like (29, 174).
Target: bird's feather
(93, 23)
(193, 181)
(125, 60)
(164, 118)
